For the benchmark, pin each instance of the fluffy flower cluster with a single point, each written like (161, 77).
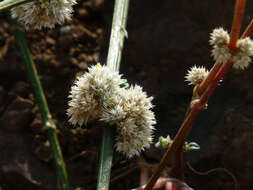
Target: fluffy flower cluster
(135, 129)
(242, 58)
(89, 93)
(101, 94)
(196, 75)
(219, 40)
(43, 13)
(221, 52)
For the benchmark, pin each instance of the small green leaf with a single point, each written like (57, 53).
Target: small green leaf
(191, 146)
(164, 142)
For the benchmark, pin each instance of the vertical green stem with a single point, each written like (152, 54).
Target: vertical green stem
(49, 126)
(106, 156)
(118, 33)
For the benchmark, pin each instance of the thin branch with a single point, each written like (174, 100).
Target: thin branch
(205, 83)
(249, 30)
(177, 143)
(208, 92)
(216, 170)
(236, 25)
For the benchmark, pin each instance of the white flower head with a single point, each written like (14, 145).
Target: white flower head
(43, 13)
(219, 40)
(219, 36)
(135, 131)
(101, 94)
(221, 52)
(89, 92)
(196, 75)
(242, 58)
(131, 138)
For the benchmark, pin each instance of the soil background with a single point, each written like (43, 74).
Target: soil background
(165, 38)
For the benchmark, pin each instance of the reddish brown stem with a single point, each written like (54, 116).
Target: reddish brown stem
(236, 25)
(208, 92)
(177, 143)
(191, 116)
(205, 83)
(249, 30)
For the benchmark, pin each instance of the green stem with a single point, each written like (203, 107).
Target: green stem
(7, 4)
(49, 126)
(105, 161)
(118, 33)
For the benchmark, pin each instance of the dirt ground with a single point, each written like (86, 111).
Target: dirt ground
(165, 39)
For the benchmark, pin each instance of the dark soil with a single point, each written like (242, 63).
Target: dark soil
(165, 39)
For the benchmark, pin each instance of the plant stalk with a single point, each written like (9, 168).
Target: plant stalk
(118, 34)
(237, 21)
(177, 143)
(206, 82)
(208, 92)
(49, 125)
(198, 106)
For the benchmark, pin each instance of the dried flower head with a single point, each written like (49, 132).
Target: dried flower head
(101, 94)
(196, 75)
(89, 91)
(221, 52)
(43, 13)
(219, 36)
(219, 40)
(135, 130)
(242, 58)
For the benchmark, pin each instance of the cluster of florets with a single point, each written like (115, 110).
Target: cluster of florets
(222, 53)
(101, 94)
(43, 13)
(196, 75)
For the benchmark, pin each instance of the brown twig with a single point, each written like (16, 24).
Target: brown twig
(249, 30)
(236, 25)
(205, 83)
(208, 92)
(216, 170)
(177, 143)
